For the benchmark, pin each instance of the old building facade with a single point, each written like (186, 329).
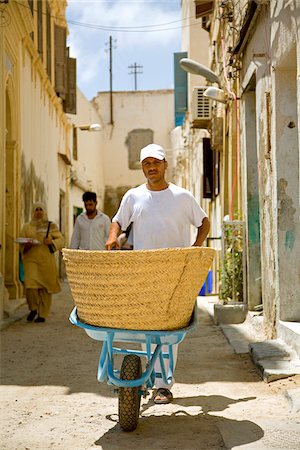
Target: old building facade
(37, 160)
(254, 51)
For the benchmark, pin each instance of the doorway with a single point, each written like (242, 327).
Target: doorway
(254, 293)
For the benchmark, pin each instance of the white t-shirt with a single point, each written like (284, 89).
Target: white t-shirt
(161, 219)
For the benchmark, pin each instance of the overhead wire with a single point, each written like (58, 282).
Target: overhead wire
(124, 29)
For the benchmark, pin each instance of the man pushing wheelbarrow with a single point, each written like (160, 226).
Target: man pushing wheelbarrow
(161, 215)
(147, 295)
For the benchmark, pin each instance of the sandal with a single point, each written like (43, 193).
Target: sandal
(163, 396)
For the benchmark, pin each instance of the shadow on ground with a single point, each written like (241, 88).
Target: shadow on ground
(171, 430)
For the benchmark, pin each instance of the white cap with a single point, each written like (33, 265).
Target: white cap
(152, 151)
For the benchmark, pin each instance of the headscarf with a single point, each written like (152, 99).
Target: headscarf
(40, 224)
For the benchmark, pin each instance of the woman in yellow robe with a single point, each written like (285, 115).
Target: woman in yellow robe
(41, 277)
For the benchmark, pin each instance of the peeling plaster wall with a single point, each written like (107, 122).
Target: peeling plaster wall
(287, 152)
(255, 62)
(251, 209)
(286, 70)
(271, 55)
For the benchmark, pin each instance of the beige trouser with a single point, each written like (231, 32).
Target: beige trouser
(39, 300)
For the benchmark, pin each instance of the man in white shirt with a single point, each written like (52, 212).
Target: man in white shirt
(161, 215)
(91, 228)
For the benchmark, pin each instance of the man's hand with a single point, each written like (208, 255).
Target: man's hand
(113, 241)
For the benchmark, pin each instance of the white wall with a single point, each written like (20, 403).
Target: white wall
(87, 172)
(42, 137)
(132, 110)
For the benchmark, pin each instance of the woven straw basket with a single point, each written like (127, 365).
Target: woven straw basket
(137, 290)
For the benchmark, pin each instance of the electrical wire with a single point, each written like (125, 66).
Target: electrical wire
(123, 29)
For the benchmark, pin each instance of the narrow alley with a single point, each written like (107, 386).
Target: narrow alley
(51, 399)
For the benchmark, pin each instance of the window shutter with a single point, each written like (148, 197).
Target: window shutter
(70, 102)
(208, 169)
(203, 7)
(60, 61)
(75, 147)
(49, 42)
(40, 27)
(137, 139)
(180, 89)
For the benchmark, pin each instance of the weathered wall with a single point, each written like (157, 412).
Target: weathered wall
(133, 111)
(274, 62)
(287, 161)
(42, 138)
(256, 63)
(251, 207)
(33, 132)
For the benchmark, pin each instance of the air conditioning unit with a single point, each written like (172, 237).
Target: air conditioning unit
(201, 108)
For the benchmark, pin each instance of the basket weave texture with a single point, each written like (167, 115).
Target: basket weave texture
(137, 290)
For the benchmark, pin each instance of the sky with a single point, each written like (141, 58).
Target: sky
(144, 32)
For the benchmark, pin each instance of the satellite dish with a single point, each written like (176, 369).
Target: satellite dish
(189, 65)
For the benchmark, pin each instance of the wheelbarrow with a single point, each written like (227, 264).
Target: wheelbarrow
(142, 296)
(131, 381)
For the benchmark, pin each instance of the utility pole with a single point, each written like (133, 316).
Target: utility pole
(110, 44)
(134, 72)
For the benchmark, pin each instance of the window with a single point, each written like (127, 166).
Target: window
(207, 169)
(211, 171)
(137, 139)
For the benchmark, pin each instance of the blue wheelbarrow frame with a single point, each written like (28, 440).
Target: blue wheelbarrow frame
(106, 370)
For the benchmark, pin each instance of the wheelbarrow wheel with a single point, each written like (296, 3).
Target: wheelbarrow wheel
(130, 398)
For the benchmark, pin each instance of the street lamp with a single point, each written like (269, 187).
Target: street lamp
(217, 94)
(191, 66)
(91, 127)
(214, 93)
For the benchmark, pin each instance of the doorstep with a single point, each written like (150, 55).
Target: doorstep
(289, 332)
(274, 359)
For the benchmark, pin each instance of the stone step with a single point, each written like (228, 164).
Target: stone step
(274, 359)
